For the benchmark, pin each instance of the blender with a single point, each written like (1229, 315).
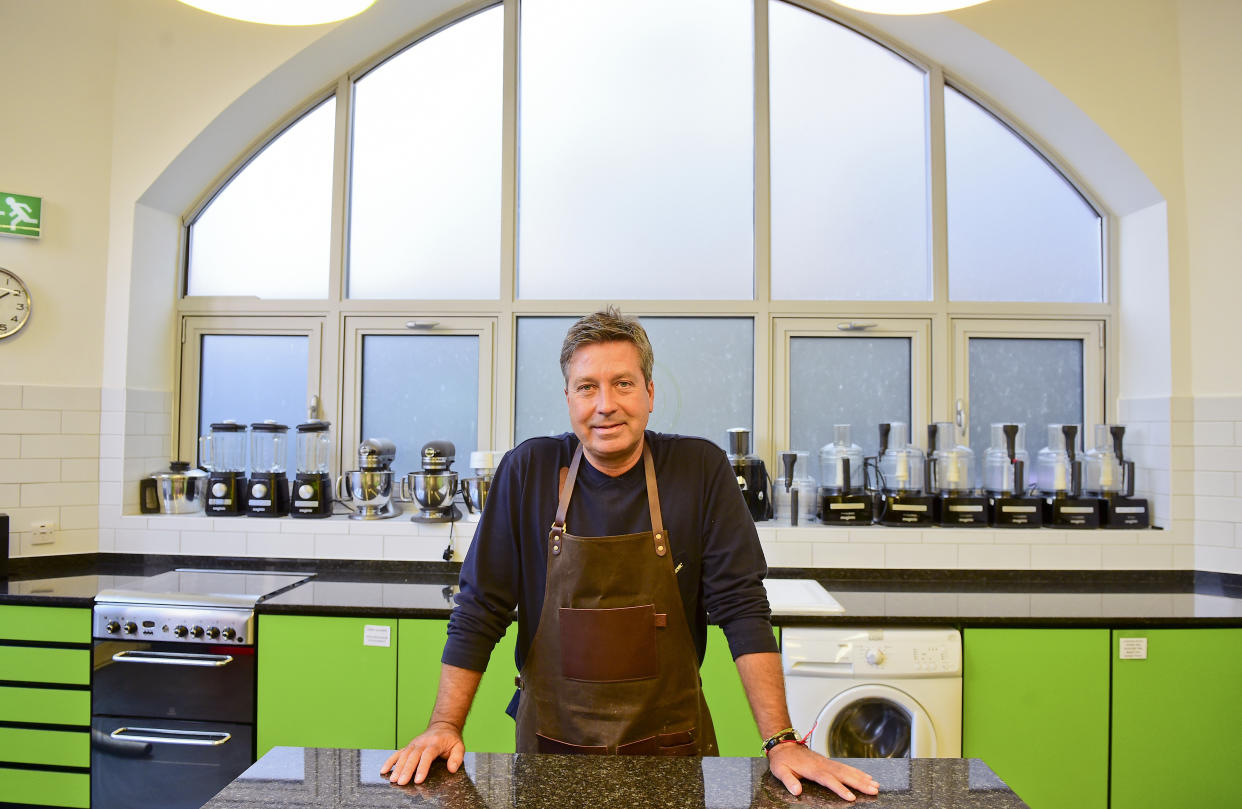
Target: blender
(793, 495)
(842, 495)
(368, 489)
(901, 479)
(1058, 472)
(434, 486)
(1004, 478)
(222, 452)
(267, 491)
(752, 475)
(1109, 476)
(951, 475)
(312, 488)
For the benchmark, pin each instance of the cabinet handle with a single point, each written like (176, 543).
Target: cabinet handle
(184, 737)
(172, 658)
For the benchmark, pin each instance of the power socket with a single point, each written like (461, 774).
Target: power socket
(44, 532)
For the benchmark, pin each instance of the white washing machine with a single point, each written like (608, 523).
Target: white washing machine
(875, 692)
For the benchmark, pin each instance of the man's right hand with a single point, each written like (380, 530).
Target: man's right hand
(439, 740)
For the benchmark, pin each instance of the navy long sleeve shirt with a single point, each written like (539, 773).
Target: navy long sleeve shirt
(715, 547)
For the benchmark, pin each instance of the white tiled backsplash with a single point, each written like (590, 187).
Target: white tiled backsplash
(71, 458)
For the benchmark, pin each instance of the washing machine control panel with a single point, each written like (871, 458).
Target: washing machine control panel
(905, 659)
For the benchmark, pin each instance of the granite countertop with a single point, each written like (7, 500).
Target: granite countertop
(889, 597)
(311, 778)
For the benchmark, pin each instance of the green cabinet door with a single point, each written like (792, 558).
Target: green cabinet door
(488, 728)
(736, 731)
(1177, 716)
(323, 682)
(47, 624)
(1035, 709)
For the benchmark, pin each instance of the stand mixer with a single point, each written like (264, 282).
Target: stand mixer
(435, 485)
(474, 489)
(368, 489)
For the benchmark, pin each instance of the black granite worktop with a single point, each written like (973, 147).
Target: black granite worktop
(309, 778)
(1121, 599)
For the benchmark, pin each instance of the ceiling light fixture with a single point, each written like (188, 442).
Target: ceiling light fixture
(906, 6)
(283, 12)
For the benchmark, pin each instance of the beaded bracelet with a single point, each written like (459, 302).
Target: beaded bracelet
(786, 735)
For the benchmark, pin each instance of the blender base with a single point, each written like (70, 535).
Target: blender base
(846, 509)
(1126, 512)
(963, 511)
(907, 509)
(1072, 512)
(1017, 512)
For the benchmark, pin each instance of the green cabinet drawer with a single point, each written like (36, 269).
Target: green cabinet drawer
(50, 706)
(38, 665)
(56, 748)
(319, 685)
(51, 624)
(45, 787)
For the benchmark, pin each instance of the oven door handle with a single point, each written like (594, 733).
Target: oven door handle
(172, 658)
(190, 737)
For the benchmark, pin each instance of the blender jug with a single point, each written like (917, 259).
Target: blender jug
(222, 452)
(267, 490)
(312, 488)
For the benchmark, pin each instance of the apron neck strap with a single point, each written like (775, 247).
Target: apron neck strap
(660, 537)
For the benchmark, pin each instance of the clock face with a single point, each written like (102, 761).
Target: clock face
(14, 303)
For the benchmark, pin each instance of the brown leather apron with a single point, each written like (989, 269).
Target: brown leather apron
(612, 667)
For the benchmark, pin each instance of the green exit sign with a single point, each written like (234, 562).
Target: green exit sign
(20, 215)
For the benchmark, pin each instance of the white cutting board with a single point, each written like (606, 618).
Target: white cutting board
(800, 597)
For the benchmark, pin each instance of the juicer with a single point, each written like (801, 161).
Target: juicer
(1004, 479)
(222, 452)
(843, 495)
(368, 489)
(434, 486)
(902, 500)
(267, 490)
(752, 475)
(951, 475)
(1109, 476)
(312, 488)
(793, 494)
(1058, 471)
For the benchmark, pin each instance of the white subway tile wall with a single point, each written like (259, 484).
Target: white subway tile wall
(72, 457)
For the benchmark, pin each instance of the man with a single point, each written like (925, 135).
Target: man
(619, 542)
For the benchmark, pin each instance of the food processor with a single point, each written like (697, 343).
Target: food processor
(793, 494)
(1058, 472)
(752, 475)
(843, 497)
(368, 489)
(951, 475)
(312, 488)
(267, 491)
(902, 501)
(222, 452)
(1109, 476)
(434, 486)
(1004, 479)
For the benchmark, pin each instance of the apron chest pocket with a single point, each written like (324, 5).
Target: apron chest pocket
(610, 645)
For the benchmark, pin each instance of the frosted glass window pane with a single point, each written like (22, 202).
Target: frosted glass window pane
(703, 375)
(636, 160)
(850, 214)
(1018, 231)
(1036, 382)
(859, 381)
(420, 388)
(249, 378)
(425, 203)
(267, 232)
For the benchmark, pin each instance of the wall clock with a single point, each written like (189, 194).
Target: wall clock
(14, 303)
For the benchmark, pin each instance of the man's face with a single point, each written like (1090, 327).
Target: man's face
(609, 404)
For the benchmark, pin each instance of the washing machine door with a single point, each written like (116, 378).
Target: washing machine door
(874, 721)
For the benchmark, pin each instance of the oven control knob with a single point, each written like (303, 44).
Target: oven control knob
(230, 633)
(213, 632)
(180, 631)
(875, 657)
(112, 627)
(196, 632)
(131, 628)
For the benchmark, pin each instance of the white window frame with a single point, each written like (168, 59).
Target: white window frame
(916, 330)
(195, 327)
(1089, 332)
(355, 328)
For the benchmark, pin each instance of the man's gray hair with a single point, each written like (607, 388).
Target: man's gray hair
(607, 326)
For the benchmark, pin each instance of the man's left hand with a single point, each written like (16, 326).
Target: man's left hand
(791, 763)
